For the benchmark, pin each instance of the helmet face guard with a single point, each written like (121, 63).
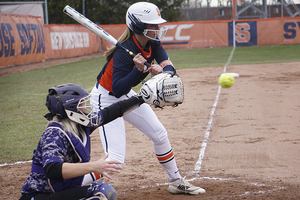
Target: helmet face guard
(158, 34)
(86, 109)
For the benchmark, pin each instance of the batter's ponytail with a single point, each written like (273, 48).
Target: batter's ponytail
(125, 36)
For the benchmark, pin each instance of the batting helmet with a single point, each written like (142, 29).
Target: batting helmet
(141, 13)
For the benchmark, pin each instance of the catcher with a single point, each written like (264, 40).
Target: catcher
(61, 166)
(121, 73)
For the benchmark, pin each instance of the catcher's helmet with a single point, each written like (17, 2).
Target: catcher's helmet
(141, 13)
(70, 101)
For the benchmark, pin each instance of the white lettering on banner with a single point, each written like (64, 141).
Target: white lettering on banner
(56, 41)
(179, 28)
(169, 38)
(178, 35)
(69, 40)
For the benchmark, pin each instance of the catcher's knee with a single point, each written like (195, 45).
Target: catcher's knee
(101, 191)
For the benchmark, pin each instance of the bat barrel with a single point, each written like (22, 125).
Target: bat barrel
(96, 29)
(89, 24)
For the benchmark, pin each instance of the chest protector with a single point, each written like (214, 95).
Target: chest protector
(83, 153)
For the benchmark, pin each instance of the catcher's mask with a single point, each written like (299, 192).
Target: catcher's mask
(141, 13)
(70, 101)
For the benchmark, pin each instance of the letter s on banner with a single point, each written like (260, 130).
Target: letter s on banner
(289, 29)
(242, 32)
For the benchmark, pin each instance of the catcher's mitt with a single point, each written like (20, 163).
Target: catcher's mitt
(164, 89)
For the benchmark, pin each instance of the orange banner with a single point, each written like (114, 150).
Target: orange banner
(281, 31)
(69, 40)
(21, 40)
(184, 34)
(195, 35)
(115, 30)
(24, 39)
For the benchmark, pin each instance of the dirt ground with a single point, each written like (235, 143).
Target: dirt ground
(253, 142)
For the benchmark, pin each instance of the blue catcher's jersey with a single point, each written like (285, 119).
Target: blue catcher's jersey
(56, 145)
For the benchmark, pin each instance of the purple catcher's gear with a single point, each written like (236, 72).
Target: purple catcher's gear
(98, 188)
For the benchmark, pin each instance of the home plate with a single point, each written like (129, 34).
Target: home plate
(233, 74)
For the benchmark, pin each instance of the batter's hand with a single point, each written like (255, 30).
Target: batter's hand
(139, 61)
(155, 69)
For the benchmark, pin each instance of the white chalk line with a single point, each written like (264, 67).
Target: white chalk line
(248, 193)
(211, 118)
(16, 163)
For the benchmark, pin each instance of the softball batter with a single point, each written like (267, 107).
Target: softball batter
(121, 73)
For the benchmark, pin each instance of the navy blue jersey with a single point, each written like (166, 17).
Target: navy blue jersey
(119, 74)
